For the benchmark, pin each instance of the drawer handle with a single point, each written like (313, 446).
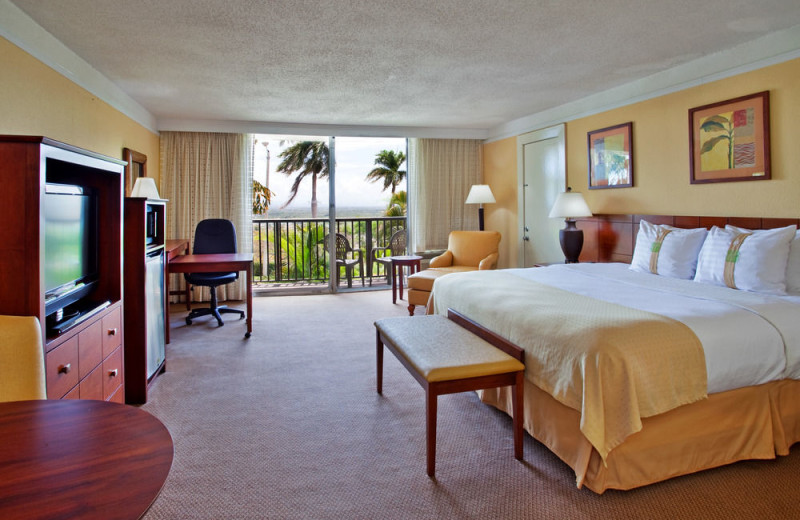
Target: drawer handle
(112, 332)
(64, 369)
(112, 373)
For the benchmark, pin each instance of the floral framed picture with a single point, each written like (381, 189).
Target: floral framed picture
(729, 140)
(611, 157)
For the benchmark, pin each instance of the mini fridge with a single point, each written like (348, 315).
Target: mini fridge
(155, 301)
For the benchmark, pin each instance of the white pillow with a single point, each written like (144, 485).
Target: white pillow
(675, 256)
(793, 266)
(758, 265)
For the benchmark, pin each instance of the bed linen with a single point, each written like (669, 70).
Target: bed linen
(749, 340)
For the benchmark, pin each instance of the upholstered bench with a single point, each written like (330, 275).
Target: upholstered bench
(450, 355)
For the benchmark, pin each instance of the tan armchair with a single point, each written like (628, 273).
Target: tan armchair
(21, 359)
(466, 251)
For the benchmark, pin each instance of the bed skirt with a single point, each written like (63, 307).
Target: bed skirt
(756, 422)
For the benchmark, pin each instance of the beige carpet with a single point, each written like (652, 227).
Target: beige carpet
(288, 425)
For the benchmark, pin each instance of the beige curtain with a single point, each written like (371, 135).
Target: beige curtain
(441, 173)
(208, 175)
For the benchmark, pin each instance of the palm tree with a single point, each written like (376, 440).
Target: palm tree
(397, 205)
(306, 158)
(388, 170)
(262, 197)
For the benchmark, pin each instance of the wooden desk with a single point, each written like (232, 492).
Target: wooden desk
(173, 248)
(398, 262)
(218, 263)
(80, 459)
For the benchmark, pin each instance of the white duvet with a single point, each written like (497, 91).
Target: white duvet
(748, 338)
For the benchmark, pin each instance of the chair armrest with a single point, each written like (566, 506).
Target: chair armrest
(374, 252)
(490, 262)
(443, 260)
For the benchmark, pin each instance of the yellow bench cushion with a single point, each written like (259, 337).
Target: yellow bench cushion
(441, 350)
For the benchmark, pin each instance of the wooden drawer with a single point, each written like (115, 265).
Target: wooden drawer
(91, 386)
(61, 366)
(112, 373)
(90, 347)
(112, 331)
(118, 397)
(73, 394)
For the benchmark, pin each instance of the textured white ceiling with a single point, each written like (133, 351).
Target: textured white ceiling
(416, 63)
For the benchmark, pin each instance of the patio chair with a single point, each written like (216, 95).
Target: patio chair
(397, 246)
(343, 250)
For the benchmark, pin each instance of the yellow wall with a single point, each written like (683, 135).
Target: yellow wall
(500, 173)
(661, 157)
(36, 100)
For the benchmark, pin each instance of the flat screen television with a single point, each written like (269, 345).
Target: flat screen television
(69, 258)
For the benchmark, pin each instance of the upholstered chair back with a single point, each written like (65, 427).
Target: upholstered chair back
(21, 359)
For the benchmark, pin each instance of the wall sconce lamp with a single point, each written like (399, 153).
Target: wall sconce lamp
(570, 205)
(480, 194)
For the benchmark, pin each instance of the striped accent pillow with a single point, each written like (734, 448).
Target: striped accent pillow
(746, 260)
(666, 250)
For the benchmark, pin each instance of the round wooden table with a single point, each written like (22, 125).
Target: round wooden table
(80, 459)
(398, 262)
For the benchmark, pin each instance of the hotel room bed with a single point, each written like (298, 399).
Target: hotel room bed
(633, 378)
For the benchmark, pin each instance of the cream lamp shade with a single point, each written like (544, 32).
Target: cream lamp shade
(570, 205)
(480, 194)
(145, 187)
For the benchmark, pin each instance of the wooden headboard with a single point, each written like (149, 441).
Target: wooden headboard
(610, 238)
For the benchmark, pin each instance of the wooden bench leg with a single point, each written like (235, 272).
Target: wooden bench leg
(379, 358)
(430, 429)
(517, 397)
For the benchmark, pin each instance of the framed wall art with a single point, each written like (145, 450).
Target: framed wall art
(611, 157)
(729, 140)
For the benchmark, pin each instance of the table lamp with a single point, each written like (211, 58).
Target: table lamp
(570, 205)
(480, 194)
(145, 187)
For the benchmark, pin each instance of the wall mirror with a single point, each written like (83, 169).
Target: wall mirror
(137, 167)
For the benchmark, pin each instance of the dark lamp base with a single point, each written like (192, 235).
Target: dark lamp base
(571, 239)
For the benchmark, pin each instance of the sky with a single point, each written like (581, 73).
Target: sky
(355, 157)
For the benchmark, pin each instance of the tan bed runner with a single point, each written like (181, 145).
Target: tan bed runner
(612, 363)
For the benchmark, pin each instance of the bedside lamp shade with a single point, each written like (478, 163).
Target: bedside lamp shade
(145, 187)
(480, 194)
(570, 205)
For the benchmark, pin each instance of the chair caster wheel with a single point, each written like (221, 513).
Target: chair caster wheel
(188, 321)
(246, 334)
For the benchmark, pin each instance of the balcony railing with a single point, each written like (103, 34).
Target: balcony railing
(292, 251)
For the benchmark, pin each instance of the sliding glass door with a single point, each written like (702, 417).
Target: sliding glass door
(313, 195)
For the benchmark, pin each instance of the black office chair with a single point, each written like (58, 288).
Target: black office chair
(214, 235)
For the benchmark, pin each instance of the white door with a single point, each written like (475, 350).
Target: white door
(542, 176)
